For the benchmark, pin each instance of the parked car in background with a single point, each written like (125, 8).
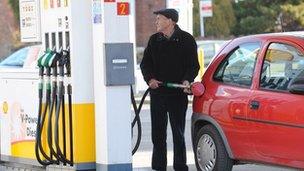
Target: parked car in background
(25, 57)
(210, 48)
(251, 110)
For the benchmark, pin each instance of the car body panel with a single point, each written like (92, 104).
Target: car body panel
(278, 125)
(274, 132)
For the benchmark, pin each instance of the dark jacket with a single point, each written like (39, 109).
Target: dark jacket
(170, 60)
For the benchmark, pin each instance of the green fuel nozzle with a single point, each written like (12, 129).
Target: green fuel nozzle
(42, 58)
(196, 88)
(174, 85)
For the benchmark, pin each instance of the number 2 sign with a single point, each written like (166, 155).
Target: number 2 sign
(123, 8)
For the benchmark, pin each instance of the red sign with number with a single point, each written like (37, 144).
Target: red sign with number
(109, 0)
(123, 8)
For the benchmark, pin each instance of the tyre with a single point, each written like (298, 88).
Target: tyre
(210, 152)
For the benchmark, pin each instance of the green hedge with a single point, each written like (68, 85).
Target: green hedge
(15, 6)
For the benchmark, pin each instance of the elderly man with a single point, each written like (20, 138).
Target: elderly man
(170, 56)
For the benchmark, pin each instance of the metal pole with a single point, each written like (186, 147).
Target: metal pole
(202, 27)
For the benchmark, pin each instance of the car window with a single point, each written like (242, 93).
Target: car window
(281, 65)
(238, 67)
(16, 59)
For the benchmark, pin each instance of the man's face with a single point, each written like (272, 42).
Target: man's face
(162, 23)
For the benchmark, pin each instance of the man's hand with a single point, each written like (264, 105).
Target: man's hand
(187, 90)
(153, 83)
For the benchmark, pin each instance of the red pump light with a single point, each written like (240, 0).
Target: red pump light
(197, 89)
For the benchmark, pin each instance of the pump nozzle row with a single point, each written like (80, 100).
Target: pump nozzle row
(48, 62)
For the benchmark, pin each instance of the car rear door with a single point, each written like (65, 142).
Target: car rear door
(275, 114)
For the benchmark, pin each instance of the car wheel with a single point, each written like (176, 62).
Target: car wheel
(210, 152)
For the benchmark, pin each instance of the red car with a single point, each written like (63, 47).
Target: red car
(251, 110)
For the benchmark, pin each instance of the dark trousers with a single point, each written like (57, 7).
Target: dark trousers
(176, 106)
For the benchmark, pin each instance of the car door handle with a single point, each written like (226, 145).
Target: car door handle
(254, 105)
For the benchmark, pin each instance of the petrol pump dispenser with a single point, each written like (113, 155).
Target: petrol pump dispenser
(100, 115)
(68, 131)
(66, 29)
(91, 44)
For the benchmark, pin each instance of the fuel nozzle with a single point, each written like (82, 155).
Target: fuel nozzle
(52, 62)
(197, 88)
(41, 59)
(41, 65)
(67, 60)
(64, 61)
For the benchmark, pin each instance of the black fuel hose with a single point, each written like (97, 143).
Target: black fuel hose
(38, 146)
(69, 91)
(37, 141)
(138, 109)
(53, 65)
(60, 96)
(63, 127)
(62, 157)
(53, 104)
(60, 102)
(137, 117)
(41, 119)
(57, 112)
(70, 123)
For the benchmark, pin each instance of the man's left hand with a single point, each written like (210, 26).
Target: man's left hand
(187, 90)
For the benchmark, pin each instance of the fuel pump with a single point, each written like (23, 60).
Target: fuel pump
(62, 133)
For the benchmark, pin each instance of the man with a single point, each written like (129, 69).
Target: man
(171, 56)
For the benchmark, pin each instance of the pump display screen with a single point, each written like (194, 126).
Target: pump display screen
(30, 21)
